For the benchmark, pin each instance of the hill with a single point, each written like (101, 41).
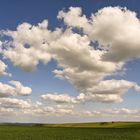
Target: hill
(98, 125)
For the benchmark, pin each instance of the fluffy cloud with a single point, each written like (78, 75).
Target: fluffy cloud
(118, 35)
(20, 89)
(72, 50)
(19, 107)
(74, 18)
(14, 103)
(6, 111)
(3, 68)
(89, 97)
(124, 112)
(104, 91)
(14, 88)
(84, 58)
(42, 110)
(29, 45)
(58, 98)
(81, 98)
(28, 107)
(113, 87)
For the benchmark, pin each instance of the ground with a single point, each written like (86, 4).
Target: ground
(81, 131)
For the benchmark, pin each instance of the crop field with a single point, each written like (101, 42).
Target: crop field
(84, 131)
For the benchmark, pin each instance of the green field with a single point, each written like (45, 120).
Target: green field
(80, 131)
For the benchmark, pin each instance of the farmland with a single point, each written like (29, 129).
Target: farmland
(79, 131)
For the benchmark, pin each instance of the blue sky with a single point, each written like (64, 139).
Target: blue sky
(15, 12)
(42, 80)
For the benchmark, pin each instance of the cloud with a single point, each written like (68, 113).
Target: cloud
(14, 103)
(6, 111)
(95, 88)
(123, 112)
(21, 107)
(106, 91)
(29, 45)
(104, 98)
(81, 98)
(118, 35)
(20, 89)
(85, 58)
(113, 87)
(42, 110)
(13, 89)
(74, 18)
(3, 68)
(72, 50)
(58, 98)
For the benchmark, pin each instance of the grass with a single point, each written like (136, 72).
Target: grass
(79, 131)
(98, 125)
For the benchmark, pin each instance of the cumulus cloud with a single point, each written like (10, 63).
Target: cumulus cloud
(113, 87)
(72, 50)
(29, 45)
(19, 107)
(84, 58)
(124, 111)
(20, 89)
(43, 110)
(14, 88)
(81, 98)
(89, 97)
(3, 68)
(6, 111)
(118, 35)
(74, 18)
(14, 103)
(58, 98)
(104, 91)
(111, 112)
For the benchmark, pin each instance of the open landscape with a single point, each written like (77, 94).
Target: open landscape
(78, 131)
(70, 70)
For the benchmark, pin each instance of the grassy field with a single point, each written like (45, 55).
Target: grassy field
(80, 131)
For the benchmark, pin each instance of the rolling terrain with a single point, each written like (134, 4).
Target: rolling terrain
(78, 131)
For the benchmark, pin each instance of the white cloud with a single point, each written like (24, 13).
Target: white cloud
(104, 91)
(6, 90)
(113, 87)
(93, 88)
(27, 107)
(80, 62)
(29, 45)
(14, 88)
(20, 107)
(122, 111)
(58, 98)
(89, 97)
(20, 89)
(14, 103)
(111, 112)
(6, 111)
(81, 98)
(41, 110)
(72, 50)
(119, 35)
(3, 68)
(74, 18)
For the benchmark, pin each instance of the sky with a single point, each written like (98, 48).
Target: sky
(69, 61)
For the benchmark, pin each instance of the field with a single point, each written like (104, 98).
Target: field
(80, 131)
